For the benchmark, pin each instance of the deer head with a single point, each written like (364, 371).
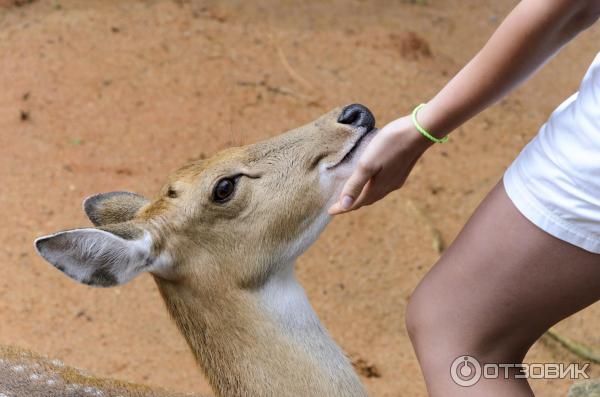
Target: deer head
(220, 230)
(261, 206)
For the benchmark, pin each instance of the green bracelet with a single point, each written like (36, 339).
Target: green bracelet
(422, 130)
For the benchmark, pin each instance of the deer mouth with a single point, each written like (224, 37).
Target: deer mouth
(364, 137)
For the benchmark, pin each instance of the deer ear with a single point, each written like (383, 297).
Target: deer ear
(113, 207)
(100, 257)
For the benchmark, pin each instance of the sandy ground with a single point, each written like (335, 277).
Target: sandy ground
(110, 95)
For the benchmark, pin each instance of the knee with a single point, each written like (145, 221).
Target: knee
(439, 323)
(436, 317)
(422, 318)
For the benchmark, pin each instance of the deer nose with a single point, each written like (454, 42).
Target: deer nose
(357, 115)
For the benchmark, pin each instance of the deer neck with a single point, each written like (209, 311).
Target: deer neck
(266, 341)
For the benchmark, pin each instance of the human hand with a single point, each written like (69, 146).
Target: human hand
(384, 165)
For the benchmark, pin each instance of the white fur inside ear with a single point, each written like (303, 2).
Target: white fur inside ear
(97, 257)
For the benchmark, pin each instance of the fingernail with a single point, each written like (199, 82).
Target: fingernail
(347, 202)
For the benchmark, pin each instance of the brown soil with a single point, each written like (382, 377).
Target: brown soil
(108, 95)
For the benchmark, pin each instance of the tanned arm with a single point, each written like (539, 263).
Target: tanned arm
(530, 35)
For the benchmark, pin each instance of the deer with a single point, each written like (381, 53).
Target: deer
(27, 374)
(221, 240)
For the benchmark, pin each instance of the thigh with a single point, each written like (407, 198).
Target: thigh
(505, 279)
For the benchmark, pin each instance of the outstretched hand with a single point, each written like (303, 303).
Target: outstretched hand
(384, 165)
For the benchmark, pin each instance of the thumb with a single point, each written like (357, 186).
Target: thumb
(353, 188)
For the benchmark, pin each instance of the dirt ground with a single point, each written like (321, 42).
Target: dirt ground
(104, 95)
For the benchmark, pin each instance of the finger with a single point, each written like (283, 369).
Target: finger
(355, 184)
(366, 194)
(369, 195)
(353, 188)
(375, 189)
(371, 198)
(335, 209)
(346, 201)
(340, 206)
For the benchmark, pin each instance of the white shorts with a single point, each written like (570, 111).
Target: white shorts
(555, 181)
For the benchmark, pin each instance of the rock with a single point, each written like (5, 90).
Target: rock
(586, 388)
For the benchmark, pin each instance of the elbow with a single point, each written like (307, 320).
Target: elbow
(588, 14)
(582, 18)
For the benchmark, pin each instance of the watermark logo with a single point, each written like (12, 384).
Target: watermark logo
(467, 371)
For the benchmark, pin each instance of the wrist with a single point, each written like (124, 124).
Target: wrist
(417, 140)
(429, 119)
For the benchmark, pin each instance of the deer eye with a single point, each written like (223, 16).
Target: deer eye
(223, 190)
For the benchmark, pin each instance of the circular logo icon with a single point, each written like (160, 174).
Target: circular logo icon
(465, 371)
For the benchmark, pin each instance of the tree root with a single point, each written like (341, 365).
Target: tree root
(578, 349)
(293, 74)
(436, 237)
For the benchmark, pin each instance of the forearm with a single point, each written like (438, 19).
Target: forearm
(533, 32)
(530, 35)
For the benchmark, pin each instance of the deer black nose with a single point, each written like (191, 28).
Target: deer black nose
(358, 116)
